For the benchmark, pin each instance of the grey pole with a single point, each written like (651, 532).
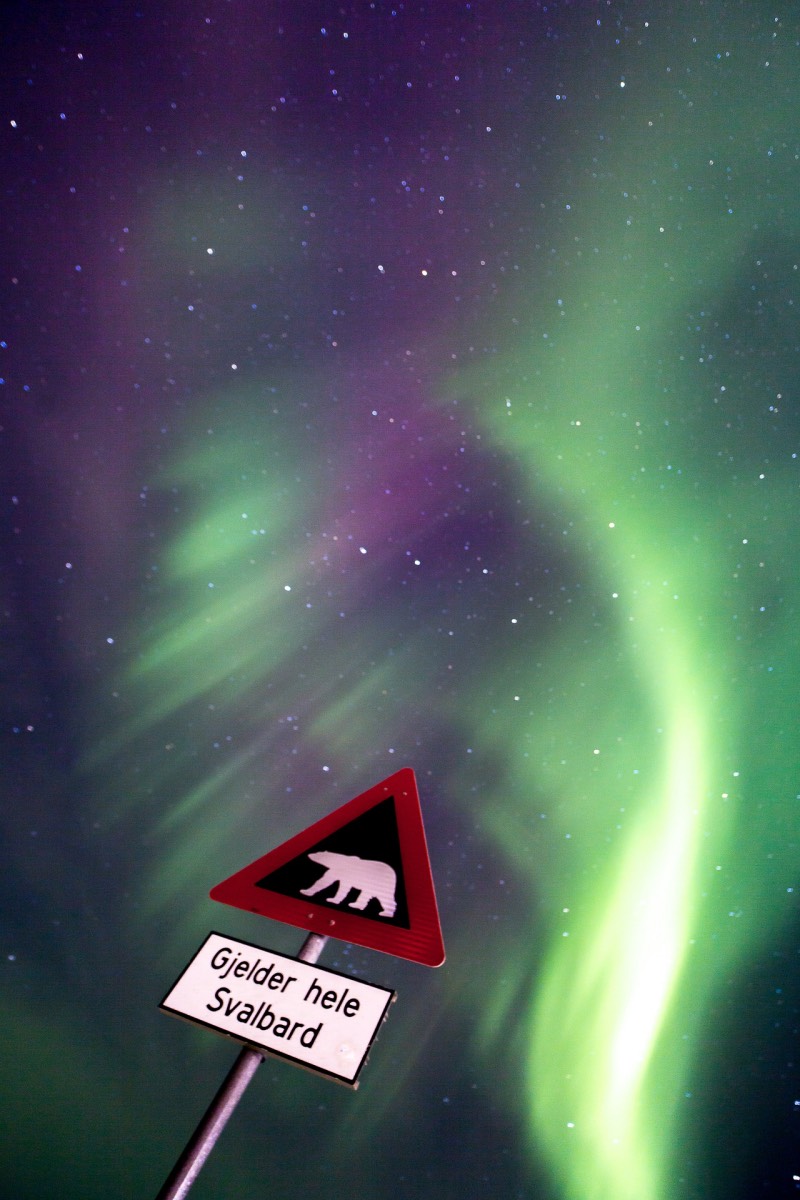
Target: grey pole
(204, 1138)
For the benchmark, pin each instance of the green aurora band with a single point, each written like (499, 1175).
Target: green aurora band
(654, 727)
(647, 792)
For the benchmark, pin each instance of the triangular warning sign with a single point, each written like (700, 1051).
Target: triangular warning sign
(361, 874)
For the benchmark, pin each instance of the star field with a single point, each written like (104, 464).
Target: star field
(405, 384)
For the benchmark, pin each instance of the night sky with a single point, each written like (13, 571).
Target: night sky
(391, 385)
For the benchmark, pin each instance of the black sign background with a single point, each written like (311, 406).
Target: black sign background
(373, 835)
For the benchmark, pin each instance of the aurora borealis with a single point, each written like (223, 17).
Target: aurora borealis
(406, 385)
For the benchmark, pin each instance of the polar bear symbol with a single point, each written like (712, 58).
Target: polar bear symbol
(372, 880)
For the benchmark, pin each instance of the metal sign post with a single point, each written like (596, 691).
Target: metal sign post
(205, 1136)
(361, 874)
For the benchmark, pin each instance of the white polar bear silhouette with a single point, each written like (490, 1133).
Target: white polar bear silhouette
(372, 880)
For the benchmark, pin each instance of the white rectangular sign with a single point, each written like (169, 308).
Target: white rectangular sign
(294, 1010)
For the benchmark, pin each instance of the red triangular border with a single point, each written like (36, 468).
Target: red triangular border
(422, 942)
